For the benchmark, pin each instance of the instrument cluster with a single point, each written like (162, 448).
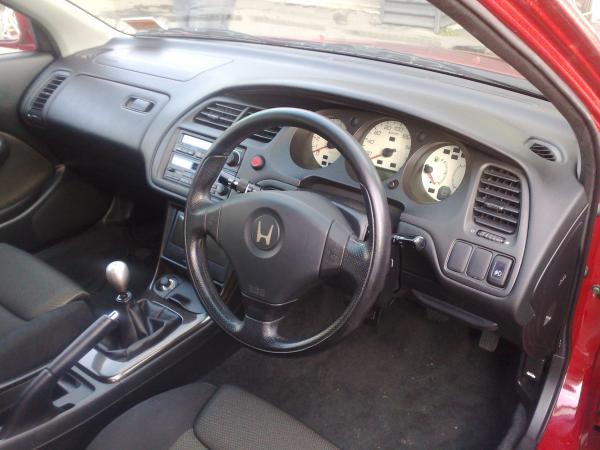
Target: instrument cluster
(400, 149)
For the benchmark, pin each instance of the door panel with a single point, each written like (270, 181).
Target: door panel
(18, 71)
(24, 174)
(41, 200)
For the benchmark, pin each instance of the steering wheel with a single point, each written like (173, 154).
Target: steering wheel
(282, 242)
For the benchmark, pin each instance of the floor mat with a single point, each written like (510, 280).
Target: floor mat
(84, 258)
(410, 383)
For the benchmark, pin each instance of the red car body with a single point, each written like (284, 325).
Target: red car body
(26, 41)
(566, 42)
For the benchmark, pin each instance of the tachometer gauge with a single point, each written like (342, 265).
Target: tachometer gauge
(324, 152)
(443, 172)
(388, 145)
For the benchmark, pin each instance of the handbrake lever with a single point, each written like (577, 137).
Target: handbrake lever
(35, 403)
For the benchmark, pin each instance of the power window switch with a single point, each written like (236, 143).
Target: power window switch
(499, 271)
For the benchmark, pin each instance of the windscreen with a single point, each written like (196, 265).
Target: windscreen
(407, 32)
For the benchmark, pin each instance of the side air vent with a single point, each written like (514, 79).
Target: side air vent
(498, 201)
(543, 150)
(42, 97)
(221, 115)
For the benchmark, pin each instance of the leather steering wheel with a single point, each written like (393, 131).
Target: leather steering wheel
(282, 242)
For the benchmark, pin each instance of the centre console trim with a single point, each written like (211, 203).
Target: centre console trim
(108, 370)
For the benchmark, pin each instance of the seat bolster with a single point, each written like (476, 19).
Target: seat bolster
(8, 322)
(29, 287)
(157, 423)
(200, 417)
(234, 419)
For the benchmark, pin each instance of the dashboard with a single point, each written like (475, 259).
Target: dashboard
(487, 177)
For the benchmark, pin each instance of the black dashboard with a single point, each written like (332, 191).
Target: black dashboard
(487, 176)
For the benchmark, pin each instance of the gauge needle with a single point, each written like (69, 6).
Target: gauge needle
(386, 153)
(431, 178)
(319, 149)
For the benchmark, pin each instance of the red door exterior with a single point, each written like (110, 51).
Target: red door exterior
(556, 31)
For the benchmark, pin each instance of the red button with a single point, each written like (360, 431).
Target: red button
(257, 162)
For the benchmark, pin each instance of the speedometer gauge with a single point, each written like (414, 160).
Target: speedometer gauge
(443, 172)
(324, 152)
(388, 145)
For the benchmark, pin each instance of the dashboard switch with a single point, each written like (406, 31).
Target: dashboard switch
(459, 256)
(417, 242)
(222, 189)
(257, 162)
(479, 263)
(499, 271)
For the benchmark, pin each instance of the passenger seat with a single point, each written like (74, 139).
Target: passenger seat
(41, 312)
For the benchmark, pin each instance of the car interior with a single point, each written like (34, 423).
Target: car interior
(209, 243)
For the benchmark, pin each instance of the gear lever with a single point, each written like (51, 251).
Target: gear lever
(117, 274)
(132, 327)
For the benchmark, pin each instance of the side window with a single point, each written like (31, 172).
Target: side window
(15, 32)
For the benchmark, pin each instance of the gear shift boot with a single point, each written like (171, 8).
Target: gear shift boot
(147, 323)
(142, 324)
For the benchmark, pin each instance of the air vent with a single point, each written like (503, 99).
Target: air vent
(543, 150)
(266, 135)
(498, 201)
(40, 100)
(221, 115)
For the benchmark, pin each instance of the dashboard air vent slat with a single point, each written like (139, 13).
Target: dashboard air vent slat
(40, 100)
(266, 135)
(219, 115)
(222, 115)
(498, 200)
(543, 150)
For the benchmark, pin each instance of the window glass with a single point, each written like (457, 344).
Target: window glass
(15, 35)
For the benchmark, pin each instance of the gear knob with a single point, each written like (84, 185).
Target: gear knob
(117, 274)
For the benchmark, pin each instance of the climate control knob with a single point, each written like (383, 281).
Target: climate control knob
(234, 159)
(222, 189)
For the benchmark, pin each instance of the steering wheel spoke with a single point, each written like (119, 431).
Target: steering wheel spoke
(344, 253)
(262, 319)
(265, 311)
(355, 262)
(204, 220)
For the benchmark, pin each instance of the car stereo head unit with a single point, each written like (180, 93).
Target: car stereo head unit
(187, 154)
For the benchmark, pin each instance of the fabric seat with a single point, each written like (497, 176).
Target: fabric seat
(41, 312)
(201, 416)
